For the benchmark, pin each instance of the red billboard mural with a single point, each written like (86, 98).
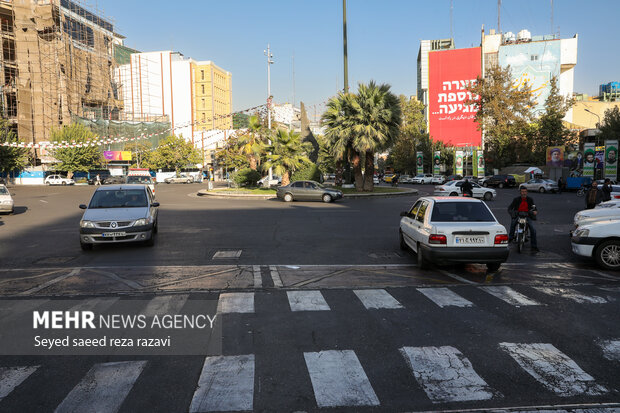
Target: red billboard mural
(450, 119)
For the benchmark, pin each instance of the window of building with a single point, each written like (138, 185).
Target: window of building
(204, 116)
(204, 104)
(202, 75)
(203, 89)
(534, 57)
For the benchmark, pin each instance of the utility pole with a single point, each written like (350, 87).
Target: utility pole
(552, 31)
(269, 63)
(499, 6)
(344, 36)
(293, 79)
(451, 25)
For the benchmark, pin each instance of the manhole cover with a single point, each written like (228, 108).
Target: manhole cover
(233, 254)
(54, 260)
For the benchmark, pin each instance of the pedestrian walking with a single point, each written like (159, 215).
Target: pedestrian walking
(98, 180)
(594, 196)
(560, 185)
(606, 190)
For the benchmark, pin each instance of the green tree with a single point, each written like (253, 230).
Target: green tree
(252, 144)
(174, 152)
(504, 113)
(550, 129)
(610, 128)
(140, 153)
(240, 120)
(339, 130)
(11, 158)
(325, 161)
(75, 158)
(287, 153)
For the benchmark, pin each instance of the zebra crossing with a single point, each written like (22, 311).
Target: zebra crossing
(345, 376)
(338, 379)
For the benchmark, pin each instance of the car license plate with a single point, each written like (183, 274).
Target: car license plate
(520, 230)
(470, 240)
(113, 234)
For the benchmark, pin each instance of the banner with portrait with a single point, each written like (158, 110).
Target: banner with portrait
(458, 163)
(436, 163)
(420, 162)
(479, 161)
(600, 160)
(611, 159)
(555, 156)
(588, 159)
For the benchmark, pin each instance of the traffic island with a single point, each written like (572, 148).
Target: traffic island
(261, 193)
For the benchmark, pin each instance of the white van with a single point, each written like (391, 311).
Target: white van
(141, 176)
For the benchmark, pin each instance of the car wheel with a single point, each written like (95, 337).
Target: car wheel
(155, 228)
(608, 255)
(488, 196)
(48, 183)
(167, 182)
(454, 194)
(86, 247)
(501, 185)
(493, 266)
(188, 182)
(288, 198)
(151, 241)
(327, 198)
(485, 184)
(541, 190)
(422, 262)
(403, 244)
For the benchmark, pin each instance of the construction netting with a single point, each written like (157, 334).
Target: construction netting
(149, 133)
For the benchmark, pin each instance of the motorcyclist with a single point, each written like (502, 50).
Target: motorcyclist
(395, 180)
(523, 203)
(467, 189)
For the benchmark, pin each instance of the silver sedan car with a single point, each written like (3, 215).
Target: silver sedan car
(540, 185)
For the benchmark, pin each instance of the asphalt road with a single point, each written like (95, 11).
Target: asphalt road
(318, 310)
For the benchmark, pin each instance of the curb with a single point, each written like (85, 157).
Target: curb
(214, 194)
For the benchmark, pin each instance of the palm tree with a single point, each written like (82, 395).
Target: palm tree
(252, 144)
(376, 124)
(339, 133)
(287, 153)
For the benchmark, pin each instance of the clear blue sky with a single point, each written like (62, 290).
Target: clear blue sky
(383, 38)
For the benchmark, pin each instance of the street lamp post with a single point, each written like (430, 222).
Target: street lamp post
(598, 124)
(269, 63)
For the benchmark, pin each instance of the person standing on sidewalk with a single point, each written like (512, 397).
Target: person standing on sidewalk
(594, 196)
(606, 190)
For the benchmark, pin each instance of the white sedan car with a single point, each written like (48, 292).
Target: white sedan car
(604, 211)
(599, 240)
(438, 180)
(453, 230)
(58, 180)
(453, 188)
(422, 179)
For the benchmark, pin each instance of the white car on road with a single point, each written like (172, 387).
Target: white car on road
(275, 180)
(58, 180)
(422, 179)
(453, 230)
(599, 240)
(438, 180)
(453, 188)
(6, 201)
(604, 211)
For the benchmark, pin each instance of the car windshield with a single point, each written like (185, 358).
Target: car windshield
(450, 183)
(3, 190)
(139, 180)
(461, 212)
(121, 198)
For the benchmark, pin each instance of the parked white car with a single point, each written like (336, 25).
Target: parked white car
(453, 230)
(453, 188)
(422, 179)
(540, 185)
(405, 179)
(609, 210)
(599, 240)
(375, 180)
(58, 180)
(6, 201)
(438, 180)
(275, 180)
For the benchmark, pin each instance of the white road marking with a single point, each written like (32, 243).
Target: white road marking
(307, 301)
(258, 280)
(103, 389)
(236, 303)
(11, 377)
(553, 369)
(165, 304)
(611, 349)
(457, 277)
(234, 254)
(509, 295)
(445, 374)
(100, 304)
(377, 299)
(572, 295)
(444, 297)
(50, 282)
(338, 379)
(226, 384)
(275, 276)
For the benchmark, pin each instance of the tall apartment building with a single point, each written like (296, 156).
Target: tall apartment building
(165, 85)
(425, 47)
(57, 63)
(212, 96)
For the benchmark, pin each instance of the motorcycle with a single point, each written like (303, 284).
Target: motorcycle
(523, 230)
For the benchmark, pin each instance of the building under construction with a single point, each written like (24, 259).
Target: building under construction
(57, 62)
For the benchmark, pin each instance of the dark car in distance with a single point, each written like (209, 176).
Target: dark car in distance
(500, 181)
(307, 191)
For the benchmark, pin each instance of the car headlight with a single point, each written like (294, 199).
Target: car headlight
(581, 233)
(140, 222)
(87, 224)
(579, 218)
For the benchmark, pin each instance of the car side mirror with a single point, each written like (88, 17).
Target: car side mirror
(82, 206)
(155, 204)
(404, 213)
